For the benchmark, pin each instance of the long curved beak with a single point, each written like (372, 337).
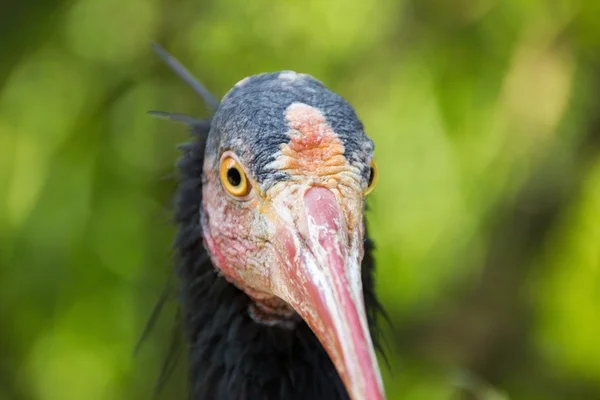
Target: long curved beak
(319, 276)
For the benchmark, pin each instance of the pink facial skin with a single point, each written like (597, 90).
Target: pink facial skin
(297, 248)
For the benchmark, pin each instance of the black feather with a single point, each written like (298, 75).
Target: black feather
(165, 295)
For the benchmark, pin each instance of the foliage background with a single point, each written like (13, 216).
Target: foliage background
(485, 114)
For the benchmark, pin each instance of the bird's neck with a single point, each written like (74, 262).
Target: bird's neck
(265, 308)
(233, 355)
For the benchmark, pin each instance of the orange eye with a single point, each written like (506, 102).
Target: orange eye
(373, 176)
(233, 178)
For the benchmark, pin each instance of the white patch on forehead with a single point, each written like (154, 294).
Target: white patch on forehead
(290, 75)
(242, 82)
(307, 120)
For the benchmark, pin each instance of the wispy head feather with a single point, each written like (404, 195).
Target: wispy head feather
(183, 118)
(187, 77)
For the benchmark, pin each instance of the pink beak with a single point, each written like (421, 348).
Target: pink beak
(320, 278)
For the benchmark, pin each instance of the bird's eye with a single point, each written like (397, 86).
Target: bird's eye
(233, 178)
(373, 175)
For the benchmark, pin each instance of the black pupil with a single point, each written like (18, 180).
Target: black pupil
(234, 177)
(371, 176)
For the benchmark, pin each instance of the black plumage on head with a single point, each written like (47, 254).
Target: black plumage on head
(229, 354)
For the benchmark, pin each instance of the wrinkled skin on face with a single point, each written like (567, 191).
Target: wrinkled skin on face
(294, 243)
(241, 232)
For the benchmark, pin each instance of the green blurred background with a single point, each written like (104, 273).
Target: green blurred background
(486, 119)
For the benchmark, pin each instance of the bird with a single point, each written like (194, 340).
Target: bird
(274, 264)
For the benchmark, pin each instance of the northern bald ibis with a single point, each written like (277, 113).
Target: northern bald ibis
(274, 263)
